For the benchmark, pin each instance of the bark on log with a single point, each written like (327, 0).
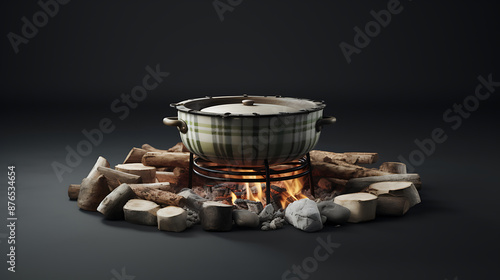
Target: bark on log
(389, 205)
(147, 173)
(343, 170)
(162, 186)
(164, 176)
(172, 218)
(330, 184)
(165, 159)
(140, 211)
(150, 148)
(92, 192)
(350, 157)
(135, 155)
(216, 216)
(160, 197)
(363, 206)
(178, 148)
(112, 205)
(404, 189)
(115, 177)
(393, 167)
(73, 191)
(94, 173)
(359, 184)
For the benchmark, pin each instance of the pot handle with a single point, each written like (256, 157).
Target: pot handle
(323, 121)
(174, 121)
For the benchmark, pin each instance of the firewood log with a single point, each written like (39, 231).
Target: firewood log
(150, 148)
(116, 177)
(135, 155)
(165, 159)
(216, 216)
(147, 173)
(363, 206)
(94, 173)
(112, 205)
(92, 192)
(330, 184)
(393, 167)
(404, 189)
(178, 148)
(350, 157)
(160, 197)
(140, 211)
(172, 218)
(389, 205)
(162, 186)
(165, 176)
(73, 191)
(359, 184)
(343, 170)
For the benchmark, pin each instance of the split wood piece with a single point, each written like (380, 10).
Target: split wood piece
(112, 205)
(178, 148)
(331, 184)
(162, 186)
(393, 167)
(343, 170)
(150, 148)
(73, 191)
(147, 173)
(350, 157)
(160, 197)
(140, 211)
(172, 218)
(360, 184)
(389, 205)
(117, 177)
(94, 173)
(165, 159)
(405, 189)
(216, 216)
(164, 176)
(135, 155)
(363, 206)
(92, 192)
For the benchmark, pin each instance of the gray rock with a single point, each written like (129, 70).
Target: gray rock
(267, 213)
(323, 219)
(245, 218)
(304, 215)
(193, 200)
(335, 214)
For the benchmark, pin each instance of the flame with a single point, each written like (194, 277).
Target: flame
(233, 198)
(293, 192)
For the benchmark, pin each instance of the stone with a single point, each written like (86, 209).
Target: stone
(335, 214)
(245, 218)
(304, 215)
(193, 201)
(267, 213)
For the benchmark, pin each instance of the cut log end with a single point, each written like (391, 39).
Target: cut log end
(363, 206)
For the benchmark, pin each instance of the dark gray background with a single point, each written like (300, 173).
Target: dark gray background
(395, 91)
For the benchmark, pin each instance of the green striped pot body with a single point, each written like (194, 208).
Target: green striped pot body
(249, 141)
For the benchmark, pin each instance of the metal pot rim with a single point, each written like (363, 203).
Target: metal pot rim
(194, 106)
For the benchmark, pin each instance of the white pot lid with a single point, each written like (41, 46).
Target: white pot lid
(246, 105)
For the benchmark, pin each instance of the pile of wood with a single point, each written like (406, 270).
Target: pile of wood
(148, 188)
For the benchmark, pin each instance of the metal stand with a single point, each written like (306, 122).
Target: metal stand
(224, 173)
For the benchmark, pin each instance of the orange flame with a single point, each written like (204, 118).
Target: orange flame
(233, 198)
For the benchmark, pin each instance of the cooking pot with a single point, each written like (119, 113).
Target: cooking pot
(247, 130)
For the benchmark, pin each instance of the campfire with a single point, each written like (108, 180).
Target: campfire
(158, 187)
